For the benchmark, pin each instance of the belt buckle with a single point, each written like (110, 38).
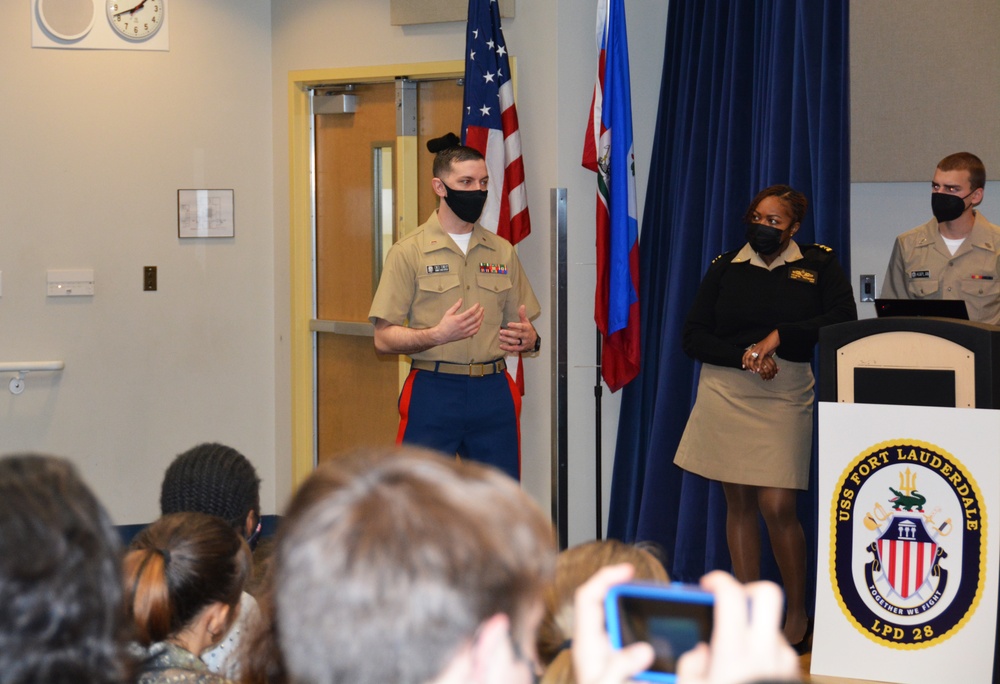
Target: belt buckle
(477, 370)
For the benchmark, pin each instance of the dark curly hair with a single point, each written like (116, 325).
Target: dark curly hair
(215, 479)
(61, 617)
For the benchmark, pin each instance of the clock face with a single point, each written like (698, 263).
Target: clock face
(135, 19)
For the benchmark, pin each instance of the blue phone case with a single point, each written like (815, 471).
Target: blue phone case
(675, 592)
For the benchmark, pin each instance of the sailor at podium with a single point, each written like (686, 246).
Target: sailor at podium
(955, 255)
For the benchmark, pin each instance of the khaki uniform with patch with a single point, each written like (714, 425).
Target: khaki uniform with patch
(921, 267)
(426, 273)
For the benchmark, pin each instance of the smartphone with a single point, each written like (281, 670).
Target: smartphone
(672, 618)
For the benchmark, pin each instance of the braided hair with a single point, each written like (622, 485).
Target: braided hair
(214, 479)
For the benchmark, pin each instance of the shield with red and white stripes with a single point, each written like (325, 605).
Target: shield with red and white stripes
(906, 552)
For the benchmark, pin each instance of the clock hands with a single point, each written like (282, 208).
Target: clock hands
(133, 10)
(134, 20)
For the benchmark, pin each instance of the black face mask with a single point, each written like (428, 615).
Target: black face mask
(764, 239)
(947, 207)
(467, 204)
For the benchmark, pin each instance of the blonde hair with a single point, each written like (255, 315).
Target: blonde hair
(574, 567)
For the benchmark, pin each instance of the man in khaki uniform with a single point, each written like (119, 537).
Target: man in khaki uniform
(955, 255)
(454, 297)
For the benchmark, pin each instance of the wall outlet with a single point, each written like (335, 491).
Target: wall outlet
(868, 288)
(149, 278)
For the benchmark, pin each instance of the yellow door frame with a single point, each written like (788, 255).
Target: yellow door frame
(300, 226)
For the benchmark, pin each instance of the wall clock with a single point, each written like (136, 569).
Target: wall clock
(136, 19)
(78, 25)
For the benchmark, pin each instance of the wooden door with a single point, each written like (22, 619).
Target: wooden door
(356, 389)
(439, 110)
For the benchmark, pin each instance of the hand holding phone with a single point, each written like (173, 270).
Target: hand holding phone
(595, 661)
(747, 643)
(673, 618)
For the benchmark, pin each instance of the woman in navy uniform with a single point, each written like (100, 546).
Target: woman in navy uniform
(753, 325)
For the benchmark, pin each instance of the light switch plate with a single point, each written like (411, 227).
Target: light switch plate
(70, 283)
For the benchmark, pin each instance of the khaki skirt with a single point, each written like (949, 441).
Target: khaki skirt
(748, 431)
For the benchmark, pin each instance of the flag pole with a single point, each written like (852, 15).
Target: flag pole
(598, 394)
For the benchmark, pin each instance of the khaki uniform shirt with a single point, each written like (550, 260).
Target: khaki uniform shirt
(791, 253)
(426, 273)
(921, 267)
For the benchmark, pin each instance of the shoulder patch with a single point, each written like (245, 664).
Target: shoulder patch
(718, 257)
(824, 248)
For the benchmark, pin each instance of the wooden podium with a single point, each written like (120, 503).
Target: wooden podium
(909, 499)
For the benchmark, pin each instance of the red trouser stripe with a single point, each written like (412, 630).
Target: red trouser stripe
(404, 406)
(515, 393)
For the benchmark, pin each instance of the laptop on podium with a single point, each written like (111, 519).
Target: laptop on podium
(938, 308)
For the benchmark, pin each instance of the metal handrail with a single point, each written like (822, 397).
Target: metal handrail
(26, 366)
(16, 384)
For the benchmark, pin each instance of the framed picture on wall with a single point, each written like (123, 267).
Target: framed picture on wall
(205, 214)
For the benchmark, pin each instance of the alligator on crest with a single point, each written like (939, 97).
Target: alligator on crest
(908, 503)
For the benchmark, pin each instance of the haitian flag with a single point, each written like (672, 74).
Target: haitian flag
(489, 125)
(607, 150)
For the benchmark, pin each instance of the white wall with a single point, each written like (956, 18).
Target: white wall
(556, 64)
(881, 211)
(93, 148)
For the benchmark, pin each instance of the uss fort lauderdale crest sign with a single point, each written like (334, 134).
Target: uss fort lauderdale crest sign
(908, 544)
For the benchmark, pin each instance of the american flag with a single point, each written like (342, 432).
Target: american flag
(489, 122)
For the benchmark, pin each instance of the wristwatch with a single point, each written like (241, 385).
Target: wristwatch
(538, 344)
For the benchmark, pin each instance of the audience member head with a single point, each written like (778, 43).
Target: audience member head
(574, 567)
(793, 200)
(183, 578)
(60, 577)
(966, 161)
(217, 480)
(404, 566)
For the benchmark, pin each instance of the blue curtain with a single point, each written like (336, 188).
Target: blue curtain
(753, 94)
